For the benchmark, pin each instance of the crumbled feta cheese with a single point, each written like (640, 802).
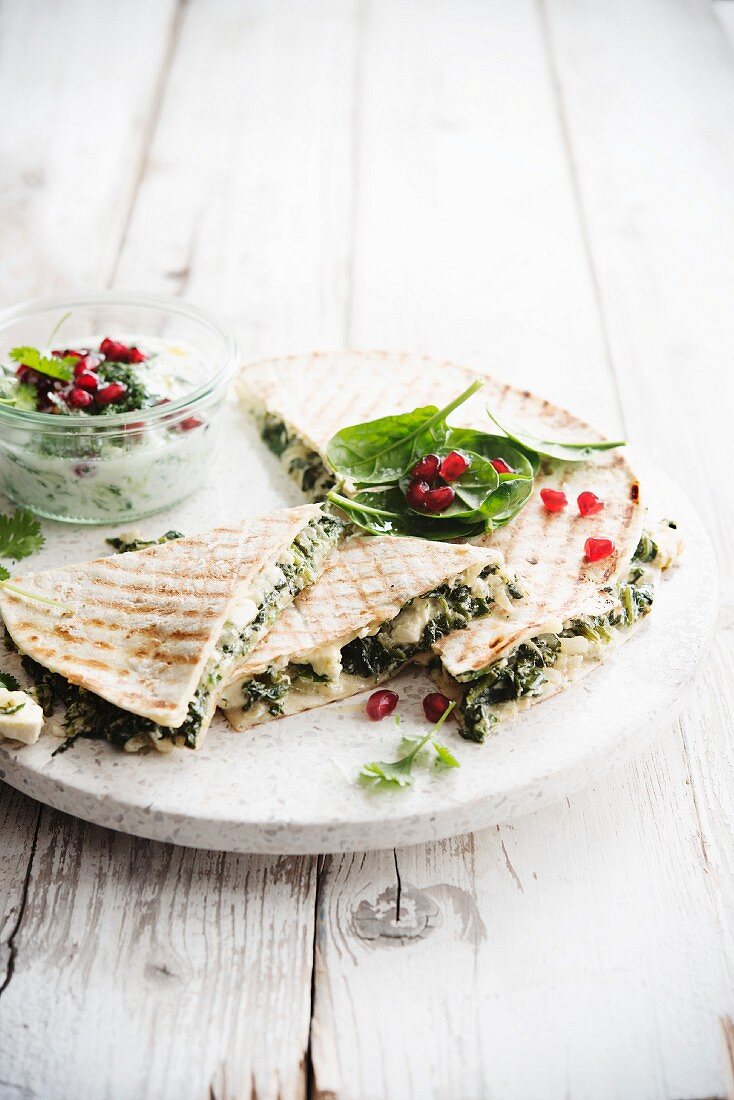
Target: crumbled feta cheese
(21, 718)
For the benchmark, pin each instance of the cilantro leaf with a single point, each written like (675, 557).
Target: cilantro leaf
(20, 535)
(9, 682)
(53, 367)
(399, 773)
(4, 573)
(445, 756)
(25, 397)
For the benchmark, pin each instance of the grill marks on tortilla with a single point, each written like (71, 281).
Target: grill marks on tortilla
(546, 550)
(368, 581)
(146, 622)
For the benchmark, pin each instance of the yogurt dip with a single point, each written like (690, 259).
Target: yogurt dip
(102, 430)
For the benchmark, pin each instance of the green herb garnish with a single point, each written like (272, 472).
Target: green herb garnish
(380, 452)
(20, 535)
(561, 451)
(52, 366)
(399, 773)
(374, 463)
(9, 682)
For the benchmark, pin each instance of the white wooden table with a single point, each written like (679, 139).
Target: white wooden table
(544, 188)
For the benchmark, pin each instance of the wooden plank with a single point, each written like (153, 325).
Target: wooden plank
(246, 203)
(19, 820)
(77, 93)
(178, 973)
(142, 970)
(580, 952)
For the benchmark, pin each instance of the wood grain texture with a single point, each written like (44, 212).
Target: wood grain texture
(240, 198)
(604, 966)
(71, 143)
(144, 968)
(543, 189)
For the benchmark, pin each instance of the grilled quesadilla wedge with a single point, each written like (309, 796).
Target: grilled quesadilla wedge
(535, 662)
(144, 638)
(378, 603)
(301, 402)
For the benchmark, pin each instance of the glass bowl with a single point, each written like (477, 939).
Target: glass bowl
(121, 466)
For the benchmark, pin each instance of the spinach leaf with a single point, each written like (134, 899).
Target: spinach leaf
(507, 500)
(386, 512)
(549, 448)
(523, 463)
(472, 489)
(381, 451)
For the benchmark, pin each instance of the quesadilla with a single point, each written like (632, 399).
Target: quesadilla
(379, 602)
(299, 403)
(502, 673)
(139, 642)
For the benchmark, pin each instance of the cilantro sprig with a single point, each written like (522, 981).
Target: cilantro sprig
(20, 536)
(399, 773)
(9, 682)
(61, 367)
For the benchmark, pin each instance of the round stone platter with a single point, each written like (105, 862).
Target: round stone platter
(289, 786)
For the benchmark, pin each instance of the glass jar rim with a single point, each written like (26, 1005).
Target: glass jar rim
(149, 416)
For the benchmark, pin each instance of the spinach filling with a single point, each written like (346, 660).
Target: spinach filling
(88, 715)
(306, 467)
(271, 687)
(451, 608)
(523, 673)
(378, 656)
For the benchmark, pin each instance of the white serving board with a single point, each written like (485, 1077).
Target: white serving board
(289, 786)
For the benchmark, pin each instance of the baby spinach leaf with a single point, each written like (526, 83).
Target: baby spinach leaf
(549, 448)
(472, 489)
(381, 451)
(504, 504)
(387, 512)
(523, 463)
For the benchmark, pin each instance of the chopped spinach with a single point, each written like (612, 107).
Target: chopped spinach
(522, 673)
(377, 655)
(124, 543)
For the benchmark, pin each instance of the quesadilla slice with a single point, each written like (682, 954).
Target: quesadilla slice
(143, 639)
(546, 548)
(379, 602)
(538, 659)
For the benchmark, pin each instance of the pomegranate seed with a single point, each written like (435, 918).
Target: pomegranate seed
(84, 363)
(598, 549)
(434, 705)
(427, 468)
(415, 494)
(501, 466)
(553, 499)
(438, 500)
(380, 704)
(113, 391)
(113, 349)
(189, 423)
(86, 381)
(454, 465)
(79, 399)
(69, 353)
(589, 504)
